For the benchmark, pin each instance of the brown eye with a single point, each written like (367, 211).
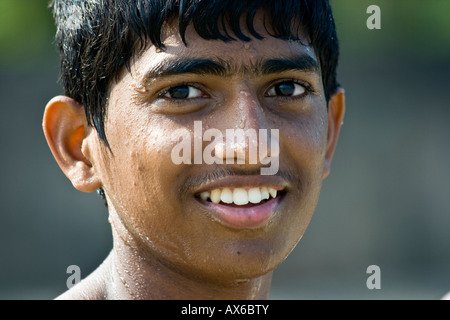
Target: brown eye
(286, 89)
(183, 92)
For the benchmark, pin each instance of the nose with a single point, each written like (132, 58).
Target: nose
(248, 134)
(249, 110)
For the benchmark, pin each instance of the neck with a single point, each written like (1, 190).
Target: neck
(138, 275)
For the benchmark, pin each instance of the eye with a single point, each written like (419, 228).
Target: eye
(286, 89)
(183, 92)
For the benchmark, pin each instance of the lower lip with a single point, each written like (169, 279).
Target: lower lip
(245, 217)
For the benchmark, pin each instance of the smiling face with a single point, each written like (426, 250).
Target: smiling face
(214, 221)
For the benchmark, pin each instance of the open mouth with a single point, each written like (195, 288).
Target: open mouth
(250, 207)
(239, 196)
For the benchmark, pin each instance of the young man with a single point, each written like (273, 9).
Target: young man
(145, 81)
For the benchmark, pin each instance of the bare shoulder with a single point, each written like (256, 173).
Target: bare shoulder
(93, 287)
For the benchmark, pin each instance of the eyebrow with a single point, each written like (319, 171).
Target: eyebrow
(303, 63)
(222, 68)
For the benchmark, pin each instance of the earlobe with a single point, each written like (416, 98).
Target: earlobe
(336, 111)
(65, 128)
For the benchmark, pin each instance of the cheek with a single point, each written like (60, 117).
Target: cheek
(302, 151)
(141, 171)
(304, 140)
(143, 186)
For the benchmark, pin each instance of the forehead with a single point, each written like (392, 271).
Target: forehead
(235, 55)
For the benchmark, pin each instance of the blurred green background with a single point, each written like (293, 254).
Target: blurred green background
(386, 202)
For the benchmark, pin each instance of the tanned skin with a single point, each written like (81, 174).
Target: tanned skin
(167, 243)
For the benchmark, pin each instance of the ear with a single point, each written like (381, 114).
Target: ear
(336, 111)
(65, 128)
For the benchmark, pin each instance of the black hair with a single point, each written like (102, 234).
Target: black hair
(97, 38)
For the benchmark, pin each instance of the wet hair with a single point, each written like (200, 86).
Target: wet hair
(97, 38)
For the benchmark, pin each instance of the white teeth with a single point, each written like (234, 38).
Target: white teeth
(273, 192)
(239, 196)
(205, 195)
(215, 195)
(265, 193)
(226, 196)
(254, 195)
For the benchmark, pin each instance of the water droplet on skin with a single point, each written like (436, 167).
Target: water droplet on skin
(241, 282)
(140, 88)
(242, 123)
